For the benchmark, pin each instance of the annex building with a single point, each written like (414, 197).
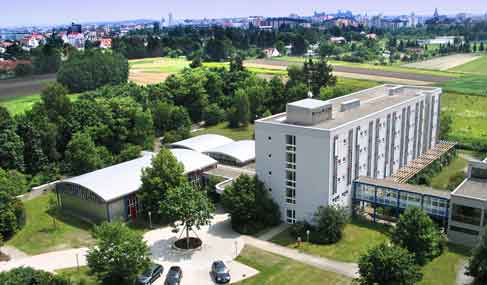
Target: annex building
(109, 194)
(310, 155)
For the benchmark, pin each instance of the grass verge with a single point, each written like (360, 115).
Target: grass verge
(242, 133)
(80, 276)
(358, 237)
(443, 269)
(40, 234)
(278, 270)
(18, 105)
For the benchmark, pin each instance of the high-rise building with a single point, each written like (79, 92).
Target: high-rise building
(170, 21)
(75, 29)
(310, 155)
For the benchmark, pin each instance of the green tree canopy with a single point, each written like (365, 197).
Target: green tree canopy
(82, 155)
(165, 173)
(120, 254)
(189, 206)
(477, 264)
(249, 205)
(387, 265)
(11, 212)
(30, 276)
(416, 232)
(330, 222)
(92, 69)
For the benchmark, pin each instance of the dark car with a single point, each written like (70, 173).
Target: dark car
(174, 276)
(220, 272)
(151, 274)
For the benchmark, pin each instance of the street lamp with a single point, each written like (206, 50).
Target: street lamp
(307, 235)
(150, 220)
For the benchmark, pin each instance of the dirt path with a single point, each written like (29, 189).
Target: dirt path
(444, 62)
(24, 86)
(277, 64)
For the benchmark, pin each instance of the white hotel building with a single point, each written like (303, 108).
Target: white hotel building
(309, 156)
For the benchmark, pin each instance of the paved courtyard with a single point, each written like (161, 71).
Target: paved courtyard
(220, 242)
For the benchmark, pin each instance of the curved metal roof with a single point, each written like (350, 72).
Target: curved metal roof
(202, 143)
(122, 179)
(242, 151)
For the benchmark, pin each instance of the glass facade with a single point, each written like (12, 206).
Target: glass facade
(466, 215)
(290, 191)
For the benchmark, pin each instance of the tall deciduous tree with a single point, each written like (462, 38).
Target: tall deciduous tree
(330, 223)
(119, 255)
(189, 207)
(165, 173)
(81, 154)
(416, 232)
(477, 265)
(388, 264)
(11, 213)
(239, 113)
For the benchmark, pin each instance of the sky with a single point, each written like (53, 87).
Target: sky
(47, 12)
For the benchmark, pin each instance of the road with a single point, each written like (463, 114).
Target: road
(25, 86)
(359, 71)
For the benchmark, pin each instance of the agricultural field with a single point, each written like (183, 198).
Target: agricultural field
(477, 66)
(469, 115)
(475, 85)
(444, 62)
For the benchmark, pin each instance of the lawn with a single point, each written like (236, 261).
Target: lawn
(443, 269)
(242, 133)
(278, 270)
(40, 235)
(159, 64)
(476, 85)
(358, 237)
(469, 115)
(478, 66)
(456, 166)
(80, 276)
(18, 105)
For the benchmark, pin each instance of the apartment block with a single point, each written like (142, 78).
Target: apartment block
(310, 155)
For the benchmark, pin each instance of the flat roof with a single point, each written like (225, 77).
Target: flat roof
(424, 190)
(202, 143)
(371, 101)
(118, 180)
(242, 151)
(472, 188)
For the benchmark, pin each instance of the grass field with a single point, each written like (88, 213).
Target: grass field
(278, 270)
(358, 237)
(443, 269)
(478, 66)
(18, 105)
(395, 68)
(80, 277)
(475, 85)
(39, 235)
(469, 114)
(455, 167)
(242, 133)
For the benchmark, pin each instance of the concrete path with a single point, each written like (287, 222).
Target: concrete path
(12, 252)
(347, 269)
(273, 232)
(462, 278)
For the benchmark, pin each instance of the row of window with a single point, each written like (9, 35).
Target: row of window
(290, 190)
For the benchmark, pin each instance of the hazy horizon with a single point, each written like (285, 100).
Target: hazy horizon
(53, 12)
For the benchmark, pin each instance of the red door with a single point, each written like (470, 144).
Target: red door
(132, 206)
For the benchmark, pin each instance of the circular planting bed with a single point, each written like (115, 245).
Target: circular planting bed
(194, 243)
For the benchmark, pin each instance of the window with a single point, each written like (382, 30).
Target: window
(290, 216)
(290, 195)
(269, 138)
(269, 155)
(270, 173)
(467, 215)
(464, 230)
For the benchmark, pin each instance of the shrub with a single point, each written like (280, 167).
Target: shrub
(213, 115)
(477, 266)
(30, 276)
(23, 69)
(386, 264)
(330, 222)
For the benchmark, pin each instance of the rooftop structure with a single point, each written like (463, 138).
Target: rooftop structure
(202, 143)
(234, 153)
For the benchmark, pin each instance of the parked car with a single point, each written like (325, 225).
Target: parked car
(220, 272)
(174, 276)
(151, 274)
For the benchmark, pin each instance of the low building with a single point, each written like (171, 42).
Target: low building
(468, 215)
(271, 52)
(110, 193)
(338, 40)
(202, 143)
(237, 153)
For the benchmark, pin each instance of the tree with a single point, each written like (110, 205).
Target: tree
(330, 222)
(196, 62)
(417, 233)
(281, 47)
(11, 214)
(189, 207)
(91, 69)
(388, 264)
(13, 182)
(23, 69)
(446, 121)
(299, 45)
(239, 113)
(30, 276)
(82, 155)
(213, 115)
(11, 150)
(326, 49)
(119, 255)
(249, 205)
(165, 173)
(477, 264)
(236, 64)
